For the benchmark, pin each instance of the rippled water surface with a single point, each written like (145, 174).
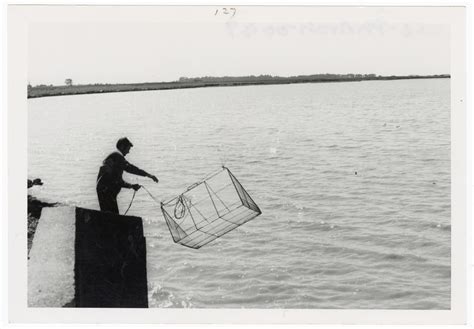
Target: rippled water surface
(353, 180)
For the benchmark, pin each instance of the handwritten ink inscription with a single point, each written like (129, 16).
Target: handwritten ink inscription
(226, 11)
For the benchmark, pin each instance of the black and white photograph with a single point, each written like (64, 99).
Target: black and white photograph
(242, 157)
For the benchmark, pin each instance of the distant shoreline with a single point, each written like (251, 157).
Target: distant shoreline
(184, 83)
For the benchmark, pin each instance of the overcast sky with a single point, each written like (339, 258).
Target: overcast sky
(112, 51)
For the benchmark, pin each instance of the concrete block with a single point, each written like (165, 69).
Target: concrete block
(87, 258)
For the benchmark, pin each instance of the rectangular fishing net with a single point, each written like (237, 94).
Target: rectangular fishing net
(209, 209)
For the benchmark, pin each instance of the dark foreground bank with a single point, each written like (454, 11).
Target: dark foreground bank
(35, 207)
(45, 91)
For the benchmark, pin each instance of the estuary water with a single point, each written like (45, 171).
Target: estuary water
(353, 180)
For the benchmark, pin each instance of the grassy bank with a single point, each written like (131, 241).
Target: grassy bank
(45, 91)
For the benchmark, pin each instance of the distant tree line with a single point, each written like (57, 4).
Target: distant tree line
(68, 88)
(267, 77)
(256, 78)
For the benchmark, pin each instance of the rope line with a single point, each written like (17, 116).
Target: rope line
(131, 201)
(151, 195)
(133, 197)
(178, 214)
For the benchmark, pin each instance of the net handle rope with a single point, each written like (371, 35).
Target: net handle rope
(178, 214)
(131, 201)
(133, 197)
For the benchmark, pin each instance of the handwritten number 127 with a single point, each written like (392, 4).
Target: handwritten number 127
(226, 11)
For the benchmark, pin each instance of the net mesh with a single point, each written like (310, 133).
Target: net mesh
(209, 209)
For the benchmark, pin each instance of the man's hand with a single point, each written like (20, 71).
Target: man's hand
(154, 178)
(136, 187)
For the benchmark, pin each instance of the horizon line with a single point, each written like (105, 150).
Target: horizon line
(251, 76)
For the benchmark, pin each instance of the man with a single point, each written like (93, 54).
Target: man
(110, 181)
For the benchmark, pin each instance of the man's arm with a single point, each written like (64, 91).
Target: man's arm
(137, 171)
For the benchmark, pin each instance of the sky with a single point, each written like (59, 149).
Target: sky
(164, 47)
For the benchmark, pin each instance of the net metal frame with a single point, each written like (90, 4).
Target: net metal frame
(209, 209)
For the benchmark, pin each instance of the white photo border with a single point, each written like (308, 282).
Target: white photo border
(20, 16)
